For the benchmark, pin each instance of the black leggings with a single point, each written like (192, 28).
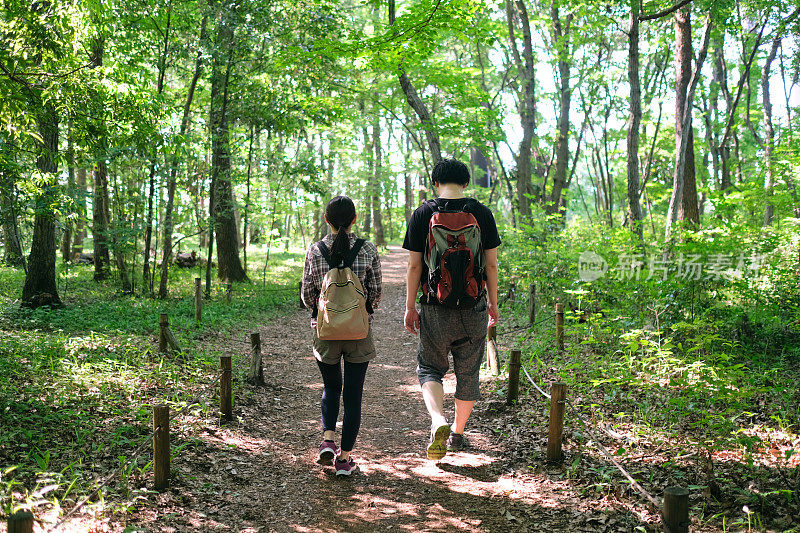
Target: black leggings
(354, 374)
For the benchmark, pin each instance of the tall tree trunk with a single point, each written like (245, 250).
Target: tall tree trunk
(769, 132)
(80, 225)
(416, 103)
(245, 225)
(688, 210)
(604, 164)
(409, 195)
(407, 172)
(100, 217)
(229, 266)
(322, 227)
(211, 232)
(119, 253)
(66, 236)
(148, 230)
(480, 167)
(197, 189)
(720, 76)
(634, 120)
(380, 239)
(562, 45)
(173, 170)
(366, 224)
(40, 287)
(527, 74)
(12, 247)
(100, 202)
(710, 111)
(683, 202)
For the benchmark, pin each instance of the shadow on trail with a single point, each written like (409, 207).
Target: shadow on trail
(481, 473)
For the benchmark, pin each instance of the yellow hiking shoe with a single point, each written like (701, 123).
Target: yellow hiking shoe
(437, 448)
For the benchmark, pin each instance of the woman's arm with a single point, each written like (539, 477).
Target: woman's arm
(310, 291)
(376, 280)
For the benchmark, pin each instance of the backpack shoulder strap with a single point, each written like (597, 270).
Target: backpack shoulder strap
(351, 256)
(326, 253)
(470, 205)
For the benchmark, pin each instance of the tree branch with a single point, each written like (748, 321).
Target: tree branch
(664, 13)
(745, 75)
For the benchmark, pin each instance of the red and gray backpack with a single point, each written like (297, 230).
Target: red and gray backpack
(454, 257)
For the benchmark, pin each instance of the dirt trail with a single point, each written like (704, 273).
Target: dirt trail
(259, 474)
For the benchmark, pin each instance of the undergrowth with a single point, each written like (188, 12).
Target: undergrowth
(704, 369)
(77, 384)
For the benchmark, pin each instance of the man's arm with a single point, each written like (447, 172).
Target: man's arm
(490, 256)
(413, 275)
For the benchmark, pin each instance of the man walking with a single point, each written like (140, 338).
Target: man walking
(452, 243)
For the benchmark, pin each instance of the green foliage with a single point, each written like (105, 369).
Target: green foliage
(76, 386)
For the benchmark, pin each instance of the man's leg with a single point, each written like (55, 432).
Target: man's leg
(463, 410)
(433, 394)
(432, 364)
(467, 358)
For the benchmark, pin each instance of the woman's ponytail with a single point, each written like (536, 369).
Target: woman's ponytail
(340, 213)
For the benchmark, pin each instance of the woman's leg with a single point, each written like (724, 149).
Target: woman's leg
(354, 374)
(331, 393)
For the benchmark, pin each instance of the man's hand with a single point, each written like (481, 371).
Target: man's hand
(411, 320)
(494, 315)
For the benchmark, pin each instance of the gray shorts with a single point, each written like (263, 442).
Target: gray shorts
(329, 352)
(461, 332)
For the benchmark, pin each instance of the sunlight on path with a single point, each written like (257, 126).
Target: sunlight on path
(259, 473)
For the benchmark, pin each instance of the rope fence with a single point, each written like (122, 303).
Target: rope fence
(674, 513)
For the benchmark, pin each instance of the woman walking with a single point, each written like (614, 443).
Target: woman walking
(342, 286)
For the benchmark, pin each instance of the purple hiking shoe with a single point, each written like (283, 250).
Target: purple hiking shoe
(327, 452)
(345, 468)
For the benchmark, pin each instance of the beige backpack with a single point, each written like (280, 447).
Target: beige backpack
(342, 307)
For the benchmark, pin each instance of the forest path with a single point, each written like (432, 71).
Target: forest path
(259, 473)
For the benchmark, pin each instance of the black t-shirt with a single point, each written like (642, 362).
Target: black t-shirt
(416, 239)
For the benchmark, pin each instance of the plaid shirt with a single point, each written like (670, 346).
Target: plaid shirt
(367, 266)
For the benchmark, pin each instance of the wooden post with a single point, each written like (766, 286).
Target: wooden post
(163, 324)
(198, 300)
(20, 522)
(228, 292)
(225, 388)
(560, 327)
(256, 366)
(532, 304)
(514, 366)
(161, 446)
(558, 392)
(676, 510)
(491, 350)
(300, 294)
